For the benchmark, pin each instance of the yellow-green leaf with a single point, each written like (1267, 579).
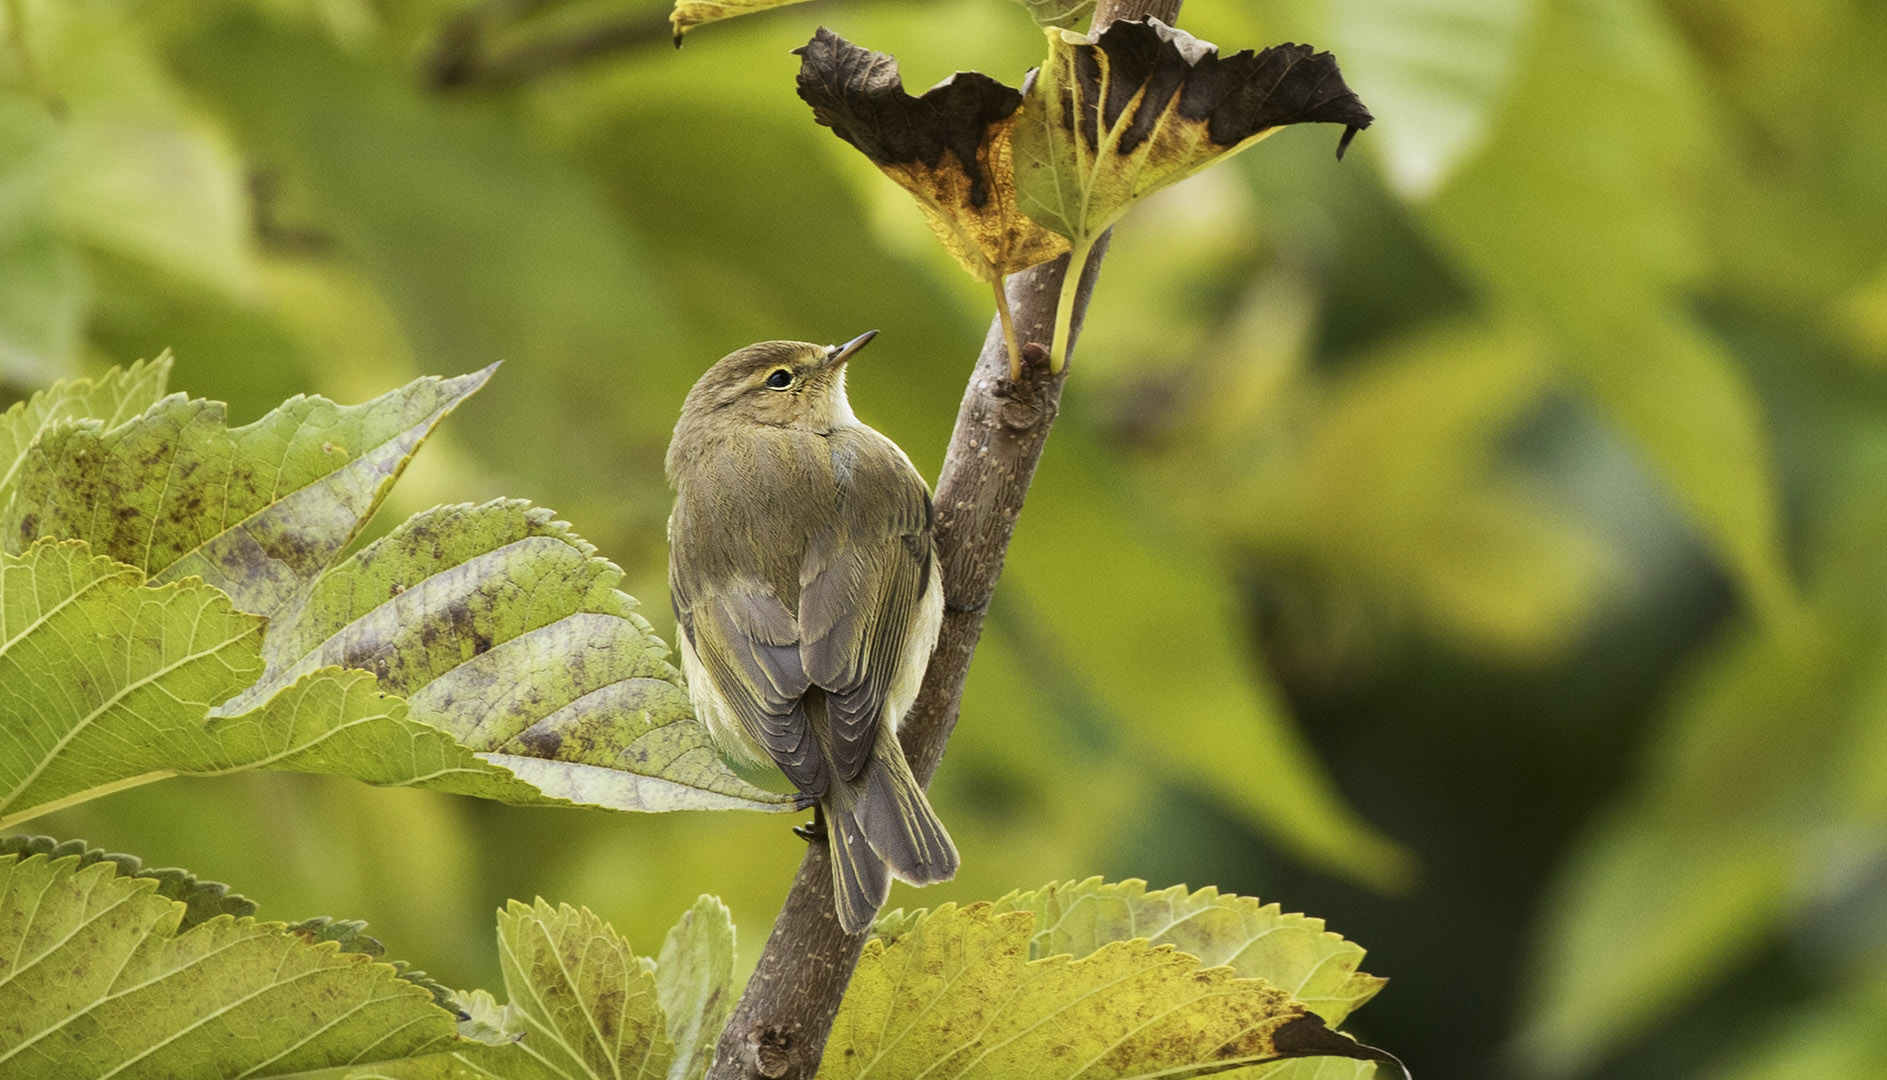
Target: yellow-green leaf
(956, 996)
(949, 148)
(689, 14)
(1254, 939)
(111, 399)
(99, 976)
(1115, 116)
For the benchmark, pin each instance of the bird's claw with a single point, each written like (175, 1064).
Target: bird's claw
(814, 829)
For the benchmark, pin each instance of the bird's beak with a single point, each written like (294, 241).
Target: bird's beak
(841, 353)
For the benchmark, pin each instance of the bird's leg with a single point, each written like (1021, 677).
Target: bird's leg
(816, 828)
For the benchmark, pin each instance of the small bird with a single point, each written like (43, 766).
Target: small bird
(803, 570)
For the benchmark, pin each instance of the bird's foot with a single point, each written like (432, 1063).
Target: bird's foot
(814, 829)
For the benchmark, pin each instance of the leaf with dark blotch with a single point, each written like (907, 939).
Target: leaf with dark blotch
(502, 629)
(1113, 117)
(957, 996)
(950, 148)
(107, 683)
(689, 14)
(111, 399)
(258, 511)
(1257, 940)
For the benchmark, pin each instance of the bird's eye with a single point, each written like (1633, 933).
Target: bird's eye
(780, 379)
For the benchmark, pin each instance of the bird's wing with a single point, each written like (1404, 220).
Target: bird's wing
(860, 586)
(748, 642)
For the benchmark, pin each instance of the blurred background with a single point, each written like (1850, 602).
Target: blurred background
(1480, 543)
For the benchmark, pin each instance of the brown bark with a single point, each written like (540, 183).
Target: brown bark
(779, 1029)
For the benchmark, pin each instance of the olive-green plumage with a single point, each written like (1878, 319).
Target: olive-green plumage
(804, 576)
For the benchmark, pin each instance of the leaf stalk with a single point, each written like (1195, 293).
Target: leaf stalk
(1008, 320)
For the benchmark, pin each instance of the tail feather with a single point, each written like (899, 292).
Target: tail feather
(860, 882)
(900, 826)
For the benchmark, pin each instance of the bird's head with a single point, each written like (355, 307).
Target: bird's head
(792, 384)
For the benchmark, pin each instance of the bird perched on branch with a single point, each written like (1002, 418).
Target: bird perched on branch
(804, 576)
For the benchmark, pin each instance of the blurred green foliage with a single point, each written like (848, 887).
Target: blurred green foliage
(1493, 519)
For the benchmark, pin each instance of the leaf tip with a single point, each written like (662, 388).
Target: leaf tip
(1348, 134)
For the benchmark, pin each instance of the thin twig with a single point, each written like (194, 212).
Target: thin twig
(779, 1029)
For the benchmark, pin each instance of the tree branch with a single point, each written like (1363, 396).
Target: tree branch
(779, 1029)
(463, 56)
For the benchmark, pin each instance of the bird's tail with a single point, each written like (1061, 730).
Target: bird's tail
(881, 826)
(860, 879)
(899, 824)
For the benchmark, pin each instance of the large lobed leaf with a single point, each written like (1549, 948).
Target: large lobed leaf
(113, 683)
(103, 681)
(258, 511)
(112, 398)
(949, 148)
(582, 1005)
(1115, 116)
(1258, 941)
(957, 995)
(501, 627)
(106, 683)
(98, 977)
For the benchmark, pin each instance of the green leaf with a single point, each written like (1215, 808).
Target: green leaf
(1257, 941)
(202, 900)
(1438, 70)
(689, 14)
(351, 935)
(956, 995)
(1112, 118)
(1581, 215)
(43, 295)
(1839, 1034)
(98, 980)
(694, 979)
(132, 703)
(1400, 487)
(500, 626)
(98, 673)
(1213, 722)
(341, 722)
(258, 511)
(589, 1007)
(111, 399)
(582, 1005)
(949, 148)
(1058, 13)
(135, 170)
(159, 189)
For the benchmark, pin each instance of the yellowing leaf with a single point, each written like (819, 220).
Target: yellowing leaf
(1115, 116)
(949, 148)
(956, 996)
(1256, 940)
(104, 977)
(689, 14)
